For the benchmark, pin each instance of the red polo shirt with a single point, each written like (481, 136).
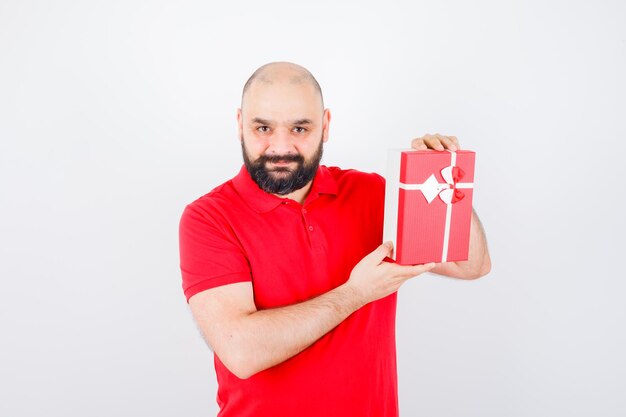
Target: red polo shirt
(291, 253)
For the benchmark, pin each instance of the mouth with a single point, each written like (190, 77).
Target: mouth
(281, 163)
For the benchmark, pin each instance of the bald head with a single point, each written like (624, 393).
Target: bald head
(276, 73)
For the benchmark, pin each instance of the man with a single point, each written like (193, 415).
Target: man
(283, 265)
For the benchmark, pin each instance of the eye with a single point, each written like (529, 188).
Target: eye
(299, 129)
(263, 129)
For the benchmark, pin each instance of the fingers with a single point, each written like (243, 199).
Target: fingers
(419, 144)
(377, 256)
(455, 141)
(437, 142)
(408, 271)
(447, 142)
(434, 142)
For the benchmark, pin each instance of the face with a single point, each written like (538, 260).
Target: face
(282, 128)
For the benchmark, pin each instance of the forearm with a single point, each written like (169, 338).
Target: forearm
(248, 340)
(478, 261)
(266, 338)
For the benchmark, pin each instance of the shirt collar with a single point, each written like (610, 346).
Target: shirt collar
(261, 201)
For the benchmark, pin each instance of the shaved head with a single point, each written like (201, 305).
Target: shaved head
(282, 72)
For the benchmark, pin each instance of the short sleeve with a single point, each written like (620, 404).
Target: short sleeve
(210, 254)
(380, 178)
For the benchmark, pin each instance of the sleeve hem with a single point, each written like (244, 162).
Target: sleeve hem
(209, 283)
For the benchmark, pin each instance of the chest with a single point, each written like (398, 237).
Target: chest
(297, 253)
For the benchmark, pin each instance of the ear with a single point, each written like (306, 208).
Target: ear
(239, 124)
(325, 124)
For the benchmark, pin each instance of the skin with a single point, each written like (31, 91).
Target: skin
(248, 340)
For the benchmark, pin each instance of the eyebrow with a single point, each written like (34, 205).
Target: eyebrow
(293, 122)
(301, 122)
(261, 121)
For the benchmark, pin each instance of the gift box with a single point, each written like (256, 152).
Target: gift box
(428, 205)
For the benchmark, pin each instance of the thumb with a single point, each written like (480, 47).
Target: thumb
(381, 252)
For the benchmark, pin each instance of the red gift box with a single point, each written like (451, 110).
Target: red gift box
(428, 205)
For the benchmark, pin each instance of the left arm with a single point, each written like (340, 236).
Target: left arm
(478, 262)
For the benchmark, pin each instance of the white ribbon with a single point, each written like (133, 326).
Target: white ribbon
(431, 188)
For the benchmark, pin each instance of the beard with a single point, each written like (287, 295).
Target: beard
(282, 180)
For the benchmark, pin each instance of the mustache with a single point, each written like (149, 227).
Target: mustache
(280, 158)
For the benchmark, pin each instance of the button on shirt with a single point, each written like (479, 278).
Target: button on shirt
(292, 252)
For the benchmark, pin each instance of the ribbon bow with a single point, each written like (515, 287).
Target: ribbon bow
(447, 192)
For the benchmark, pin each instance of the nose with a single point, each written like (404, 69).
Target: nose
(281, 143)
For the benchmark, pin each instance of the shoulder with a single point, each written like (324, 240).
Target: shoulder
(354, 187)
(212, 206)
(347, 178)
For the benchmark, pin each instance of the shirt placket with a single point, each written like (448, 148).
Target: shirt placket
(312, 228)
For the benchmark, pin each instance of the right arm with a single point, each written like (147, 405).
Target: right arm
(248, 340)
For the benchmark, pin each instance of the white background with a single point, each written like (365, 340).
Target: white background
(115, 114)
